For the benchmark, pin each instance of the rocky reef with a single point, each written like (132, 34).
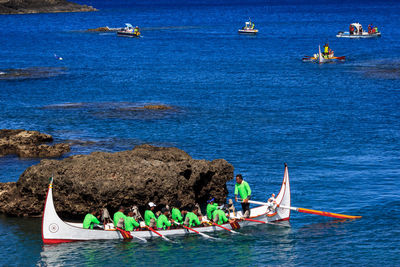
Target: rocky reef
(29, 144)
(31, 73)
(134, 177)
(41, 6)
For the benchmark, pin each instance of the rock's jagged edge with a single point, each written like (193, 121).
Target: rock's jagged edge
(135, 177)
(41, 6)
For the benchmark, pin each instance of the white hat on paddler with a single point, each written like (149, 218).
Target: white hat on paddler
(151, 204)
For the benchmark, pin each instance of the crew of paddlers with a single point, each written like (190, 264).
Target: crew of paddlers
(170, 218)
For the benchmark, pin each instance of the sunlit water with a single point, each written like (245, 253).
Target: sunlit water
(249, 100)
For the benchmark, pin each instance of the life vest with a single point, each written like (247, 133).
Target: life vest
(326, 49)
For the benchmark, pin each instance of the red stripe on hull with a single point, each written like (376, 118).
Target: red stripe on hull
(57, 241)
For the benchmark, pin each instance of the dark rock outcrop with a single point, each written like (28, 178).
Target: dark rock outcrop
(29, 144)
(133, 177)
(41, 6)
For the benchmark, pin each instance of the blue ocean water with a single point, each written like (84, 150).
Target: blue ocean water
(247, 99)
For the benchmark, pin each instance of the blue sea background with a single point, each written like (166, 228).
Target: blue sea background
(247, 99)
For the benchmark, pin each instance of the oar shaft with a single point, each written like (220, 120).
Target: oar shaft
(252, 220)
(328, 214)
(322, 213)
(310, 211)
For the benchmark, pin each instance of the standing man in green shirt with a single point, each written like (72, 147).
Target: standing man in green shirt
(243, 189)
(90, 220)
(130, 222)
(149, 217)
(120, 218)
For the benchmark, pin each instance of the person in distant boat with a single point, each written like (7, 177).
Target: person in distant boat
(191, 218)
(243, 189)
(136, 30)
(219, 217)
(351, 29)
(369, 28)
(162, 221)
(211, 207)
(120, 218)
(130, 222)
(90, 220)
(176, 214)
(252, 26)
(149, 217)
(375, 29)
(361, 30)
(326, 51)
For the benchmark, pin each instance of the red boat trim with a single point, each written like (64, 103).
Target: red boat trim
(58, 241)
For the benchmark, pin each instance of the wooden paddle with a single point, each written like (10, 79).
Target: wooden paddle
(216, 224)
(129, 235)
(154, 231)
(316, 212)
(340, 58)
(191, 229)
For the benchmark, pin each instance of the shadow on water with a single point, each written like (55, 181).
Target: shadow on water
(186, 250)
(380, 69)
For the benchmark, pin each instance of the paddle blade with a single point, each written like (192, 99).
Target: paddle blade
(328, 214)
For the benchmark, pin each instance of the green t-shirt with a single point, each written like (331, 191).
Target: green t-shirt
(176, 215)
(162, 222)
(243, 189)
(210, 209)
(193, 219)
(89, 220)
(130, 223)
(148, 215)
(221, 217)
(118, 215)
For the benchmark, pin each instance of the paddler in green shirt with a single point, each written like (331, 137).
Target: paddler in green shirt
(176, 214)
(130, 222)
(149, 217)
(118, 216)
(162, 221)
(90, 220)
(243, 189)
(211, 207)
(219, 217)
(191, 218)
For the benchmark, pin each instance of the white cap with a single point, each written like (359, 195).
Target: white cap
(151, 204)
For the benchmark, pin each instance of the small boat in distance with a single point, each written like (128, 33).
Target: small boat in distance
(248, 28)
(129, 31)
(356, 31)
(325, 57)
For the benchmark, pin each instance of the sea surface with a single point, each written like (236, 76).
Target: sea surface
(247, 99)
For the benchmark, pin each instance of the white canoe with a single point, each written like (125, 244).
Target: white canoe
(248, 31)
(357, 36)
(55, 230)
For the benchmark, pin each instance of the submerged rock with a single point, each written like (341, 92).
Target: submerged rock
(41, 6)
(29, 144)
(31, 73)
(133, 177)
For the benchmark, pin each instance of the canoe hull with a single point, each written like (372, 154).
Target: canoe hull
(55, 230)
